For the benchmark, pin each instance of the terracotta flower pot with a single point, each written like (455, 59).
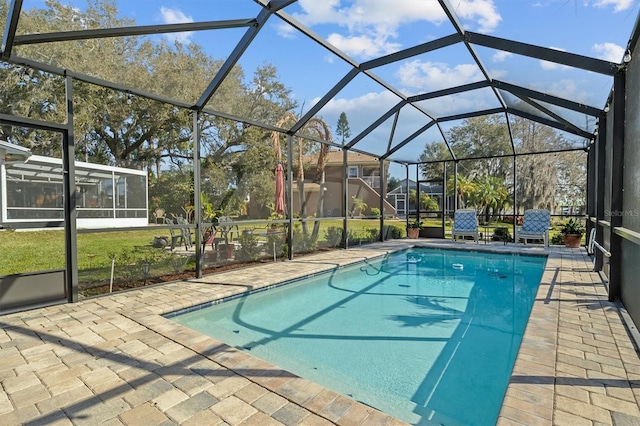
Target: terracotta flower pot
(572, 240)
(225, 251)
(211, 256)
(413, 232)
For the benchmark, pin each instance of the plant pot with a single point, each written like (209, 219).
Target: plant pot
(226, 251)
(572, 240)
(413, 232)
(211, 256)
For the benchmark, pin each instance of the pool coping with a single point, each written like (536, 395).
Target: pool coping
(576, 363)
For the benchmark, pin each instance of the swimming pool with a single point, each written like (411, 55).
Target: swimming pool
(426, 335)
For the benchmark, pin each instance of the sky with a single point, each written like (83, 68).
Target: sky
(367, 29)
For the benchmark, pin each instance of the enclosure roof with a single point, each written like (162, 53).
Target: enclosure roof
(405, 72)
(11, 152)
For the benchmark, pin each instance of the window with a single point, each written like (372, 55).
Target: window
(353, 172)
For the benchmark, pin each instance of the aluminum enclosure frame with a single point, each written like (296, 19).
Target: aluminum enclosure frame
(276, 8)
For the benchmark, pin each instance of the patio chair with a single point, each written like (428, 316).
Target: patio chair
(535, 226)
(159, 215)
(185, 232)
(465, 224)
(177, 235)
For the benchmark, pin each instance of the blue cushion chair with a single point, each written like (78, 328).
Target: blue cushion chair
(535, 226)
(465, 224)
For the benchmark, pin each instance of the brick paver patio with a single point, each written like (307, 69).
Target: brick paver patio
(115, 360)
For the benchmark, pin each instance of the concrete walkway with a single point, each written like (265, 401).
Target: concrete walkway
(115, 360)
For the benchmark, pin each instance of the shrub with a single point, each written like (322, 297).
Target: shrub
(572, 227)
(333, 235)
(177, 262)
(557, 239)
(277, 240)
(372, 234)
(501, 234)
(395, 232)
(249, 250)
(417, 223)
(303, 243)
(353, 237)
(375, 211)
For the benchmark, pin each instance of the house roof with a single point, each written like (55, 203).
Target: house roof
(334, 157)
(428, 188)
(308, 187)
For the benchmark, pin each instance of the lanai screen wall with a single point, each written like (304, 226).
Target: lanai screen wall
(32, 192)
(624, 232)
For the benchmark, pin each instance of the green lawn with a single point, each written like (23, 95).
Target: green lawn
(28, 251)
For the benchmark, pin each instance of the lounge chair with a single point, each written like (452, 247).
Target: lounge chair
(535, 226)
(465, 224)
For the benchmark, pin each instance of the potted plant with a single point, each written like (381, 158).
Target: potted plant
(413, 228)
(572, 231)
(208, 215)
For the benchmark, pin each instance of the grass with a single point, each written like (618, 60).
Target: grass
(42, 250)
(29, 251)
(38, 250)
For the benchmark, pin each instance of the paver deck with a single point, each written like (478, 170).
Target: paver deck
(115, 360)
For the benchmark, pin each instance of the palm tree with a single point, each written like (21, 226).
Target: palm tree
(465, 190)
(359, 206)
(318, 128)
(493, 196)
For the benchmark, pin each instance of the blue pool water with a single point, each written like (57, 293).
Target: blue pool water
(426, 335)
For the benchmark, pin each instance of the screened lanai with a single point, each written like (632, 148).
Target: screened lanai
(209, 99)
(31, 189)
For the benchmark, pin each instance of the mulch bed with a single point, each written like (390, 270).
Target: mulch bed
(96, 290)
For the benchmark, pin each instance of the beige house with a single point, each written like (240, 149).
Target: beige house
(364, 183)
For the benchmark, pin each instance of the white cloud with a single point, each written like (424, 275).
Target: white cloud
(176, 16)
(359, 14)
(460, 103)
(364, 106)
(429, 76)
(548, 66)
(618, 5)
(363, 46)
(373, 21)
(498, 74)
(501, 56)
(481, 11)
(609, 51)
(569, 89)
(361, 110)
(285, 30)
